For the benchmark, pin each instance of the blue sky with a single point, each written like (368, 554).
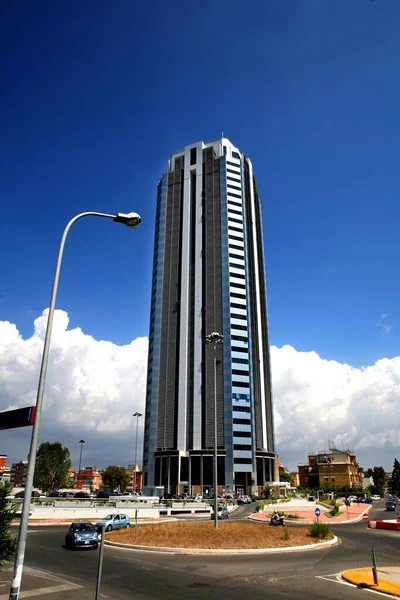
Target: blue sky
(95, 97)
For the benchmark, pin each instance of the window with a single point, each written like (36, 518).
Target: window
(237, 285)
(232, 171)
(242, 446)
(234, 195)
(240, 361)
(234, 187)
(245, 409)
(232, 220)
(224, 147)
(242, 433)
(242, 461)
(241, 306)
(236, 256)
(238, 372)
(232, 203)
(193, 156)
(233, 178)
(235, 229)
(241, 422)
(228, 162)
(239, 338)
(241, 396)
(236, 266)
(238, 239)
(242, 384)
(240, 317)
(240, 328)
(237, 275)
(232, 211)
(235, 155)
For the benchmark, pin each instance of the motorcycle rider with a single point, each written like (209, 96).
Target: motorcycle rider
(277, 519)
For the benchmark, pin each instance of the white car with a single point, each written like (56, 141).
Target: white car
(376, 497)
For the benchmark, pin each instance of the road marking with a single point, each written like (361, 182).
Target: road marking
(41, 591)
(337, 578)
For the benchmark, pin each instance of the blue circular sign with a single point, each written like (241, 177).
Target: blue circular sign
(317, 512)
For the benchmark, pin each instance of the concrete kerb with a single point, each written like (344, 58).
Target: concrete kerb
(317, 546)
(363, 578)
(307, 522)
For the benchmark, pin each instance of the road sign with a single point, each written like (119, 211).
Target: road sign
(20, 417)
(317, 512)
(365, 517)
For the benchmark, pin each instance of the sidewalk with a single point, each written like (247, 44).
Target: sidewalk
(351, 514)
(388, 579)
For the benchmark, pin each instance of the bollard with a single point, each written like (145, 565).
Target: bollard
(100, 564)
(374, 569)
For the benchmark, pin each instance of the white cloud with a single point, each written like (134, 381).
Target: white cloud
(384, 325)
(93, 387)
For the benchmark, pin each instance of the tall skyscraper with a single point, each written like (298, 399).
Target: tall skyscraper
(208, 276)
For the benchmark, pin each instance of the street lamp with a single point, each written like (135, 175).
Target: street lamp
(131, 220)
(137, 415)
(80, 456)
(215, 338)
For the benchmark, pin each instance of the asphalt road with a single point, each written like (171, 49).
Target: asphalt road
(59, 573)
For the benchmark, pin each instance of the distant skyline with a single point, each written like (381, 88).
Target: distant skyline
(94, 98)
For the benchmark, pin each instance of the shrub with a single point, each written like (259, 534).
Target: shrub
(259, 507)
(319, 530)
(286, 534)
(296, 516)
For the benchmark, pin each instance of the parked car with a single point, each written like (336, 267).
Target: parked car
(311, 498)
(114, 521)
(376, 497)
(222, 513)
(81, 535)
(22, 494)
(366, 500)
(102, 495)
(82, 495)
(68, 494)
(390, 505)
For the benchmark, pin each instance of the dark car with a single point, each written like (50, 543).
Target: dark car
(103, 495)
(366, 500)
(22, 494)
(390, 505)
(82, 495)
(81, 535)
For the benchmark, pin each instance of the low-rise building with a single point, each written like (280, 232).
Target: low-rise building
(331, 468)
(87, 479)
(137, 471)
(3, 463)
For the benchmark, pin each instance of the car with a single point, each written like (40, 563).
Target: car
(222, 513)
(311, 498)
(82, 495)
(102, 495)
(376, 497)
(114, 521)
(367, 500)
(390, 505)
(81, 535)
(22, 494)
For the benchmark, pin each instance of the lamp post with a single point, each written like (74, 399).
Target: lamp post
(131, 220)
(80, 456)
(215, 338)
(137, 415)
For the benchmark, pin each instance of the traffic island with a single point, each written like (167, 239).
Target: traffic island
(229, 537)
(388, 579)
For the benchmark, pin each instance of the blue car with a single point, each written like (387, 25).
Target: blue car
(114, 521)
(81, 535)
(390, 505)
(367, 500)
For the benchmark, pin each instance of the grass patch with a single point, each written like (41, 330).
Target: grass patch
(337, 514)
(203, 535)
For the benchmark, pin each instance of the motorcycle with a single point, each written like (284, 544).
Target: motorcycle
(277, 519)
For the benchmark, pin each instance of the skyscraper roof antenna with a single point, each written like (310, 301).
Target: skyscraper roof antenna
(222, 133)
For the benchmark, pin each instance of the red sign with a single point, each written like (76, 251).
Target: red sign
(365, 517)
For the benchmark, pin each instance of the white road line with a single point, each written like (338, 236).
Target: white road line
(41, 591)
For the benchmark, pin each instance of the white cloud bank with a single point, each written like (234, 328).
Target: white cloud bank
(93, 387)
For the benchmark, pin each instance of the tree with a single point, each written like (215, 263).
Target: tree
(396, 476)
(378, 476)
(115, 476)
(52, 467)
(285, 476)
(8, 544)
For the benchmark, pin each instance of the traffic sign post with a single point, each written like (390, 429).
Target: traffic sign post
(317, 513)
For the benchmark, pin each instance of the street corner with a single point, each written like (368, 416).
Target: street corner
(388, 579)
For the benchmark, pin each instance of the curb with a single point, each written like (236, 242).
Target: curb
(306, 522)
(318, 545)
(362, 579)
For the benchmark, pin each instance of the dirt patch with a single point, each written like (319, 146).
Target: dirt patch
(203, 535)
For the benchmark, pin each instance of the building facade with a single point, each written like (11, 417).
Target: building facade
(208, 276)
(18, 473)
(331, 468)
(87, 479)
